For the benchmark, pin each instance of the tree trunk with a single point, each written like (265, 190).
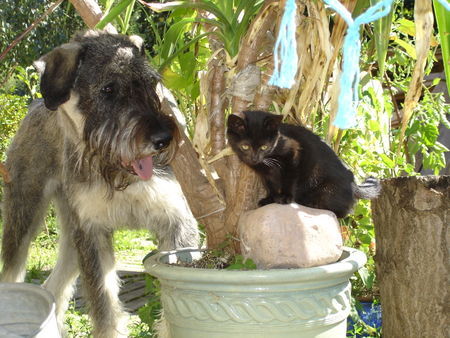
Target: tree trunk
(412, 217)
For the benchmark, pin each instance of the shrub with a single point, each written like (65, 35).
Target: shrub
(12, 109)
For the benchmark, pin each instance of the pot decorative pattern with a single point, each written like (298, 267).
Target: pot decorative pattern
(321, 306)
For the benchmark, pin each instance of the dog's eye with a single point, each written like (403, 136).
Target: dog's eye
(108, 89)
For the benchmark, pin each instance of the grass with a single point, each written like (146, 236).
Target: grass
(130, 247)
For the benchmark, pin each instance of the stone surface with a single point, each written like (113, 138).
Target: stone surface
(290, 236)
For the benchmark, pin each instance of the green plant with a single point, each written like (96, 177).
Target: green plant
(13, 108)
(360, 328)
(120, 13)
(77, 323)
(151, 311)
(443, 23)
(17, 15)
(230, 18)
(26, 82)
(423, 132)
(241, 263)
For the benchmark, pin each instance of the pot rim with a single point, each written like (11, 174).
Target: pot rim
(351, 260)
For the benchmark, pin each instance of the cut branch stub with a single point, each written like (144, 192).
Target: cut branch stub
(91, 13)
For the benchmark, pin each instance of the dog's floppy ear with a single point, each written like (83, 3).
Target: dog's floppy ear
(58, 71)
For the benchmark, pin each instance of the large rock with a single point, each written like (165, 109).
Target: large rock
(290, 236)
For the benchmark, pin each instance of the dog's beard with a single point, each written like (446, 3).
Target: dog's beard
(113, 148)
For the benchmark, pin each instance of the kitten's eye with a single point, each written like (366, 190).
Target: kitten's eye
(264, 147)
(245, 147)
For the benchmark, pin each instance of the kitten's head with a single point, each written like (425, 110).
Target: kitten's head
(253, 135)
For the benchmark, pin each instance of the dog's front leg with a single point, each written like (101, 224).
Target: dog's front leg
(100, 282)
(62, 279)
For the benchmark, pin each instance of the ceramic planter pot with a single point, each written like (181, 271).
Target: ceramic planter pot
(307, 302)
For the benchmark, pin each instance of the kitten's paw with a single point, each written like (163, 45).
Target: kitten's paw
(265, 201)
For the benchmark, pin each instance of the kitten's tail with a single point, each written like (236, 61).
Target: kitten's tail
(369, 189)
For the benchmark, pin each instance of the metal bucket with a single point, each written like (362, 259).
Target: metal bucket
(27, 310)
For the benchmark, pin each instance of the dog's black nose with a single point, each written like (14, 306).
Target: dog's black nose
(161, 141)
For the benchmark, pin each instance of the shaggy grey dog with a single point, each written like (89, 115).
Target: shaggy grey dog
(98, 147)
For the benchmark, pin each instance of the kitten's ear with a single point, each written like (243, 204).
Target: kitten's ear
(273, 122)
(236, 124)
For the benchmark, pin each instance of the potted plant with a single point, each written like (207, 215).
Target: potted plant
(304, 302)
(201, 300)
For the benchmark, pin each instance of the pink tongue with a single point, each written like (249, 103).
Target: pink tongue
(143, 167)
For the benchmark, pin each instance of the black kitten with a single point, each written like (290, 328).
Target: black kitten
(295, 164)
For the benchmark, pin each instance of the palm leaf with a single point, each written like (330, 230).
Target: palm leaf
(443, 23)
(207, 6)
(174, 53)
(382, 29)
(114, 13)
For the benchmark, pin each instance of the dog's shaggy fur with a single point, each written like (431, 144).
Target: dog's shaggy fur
(98, 147)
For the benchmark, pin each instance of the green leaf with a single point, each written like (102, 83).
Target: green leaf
(127, 18)
(373, 125)
(406, 27)
(207, 6)
(365, 239)
(430, 134)
(240, 263)
(443, 23)
(360, 7)
(387, 161)
(180, 50)
(172, 36)
(382, 29)
(409, 48)
(114, 13)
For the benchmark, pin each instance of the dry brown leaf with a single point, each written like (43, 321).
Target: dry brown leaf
(423, 18)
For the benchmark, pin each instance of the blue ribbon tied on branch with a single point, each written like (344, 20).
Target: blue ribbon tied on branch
(286, 59)
(351, 52)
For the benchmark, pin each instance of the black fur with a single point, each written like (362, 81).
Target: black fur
(295, 164)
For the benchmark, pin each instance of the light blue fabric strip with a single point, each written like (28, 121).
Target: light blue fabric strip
(285, 50)
(351, 52)
(286, 59)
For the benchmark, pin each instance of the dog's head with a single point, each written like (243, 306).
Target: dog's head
(104, 91)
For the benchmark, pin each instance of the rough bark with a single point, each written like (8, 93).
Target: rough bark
(206, 203)
(412, 217)
(218, 103)
(242, 185)
(255, 44)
